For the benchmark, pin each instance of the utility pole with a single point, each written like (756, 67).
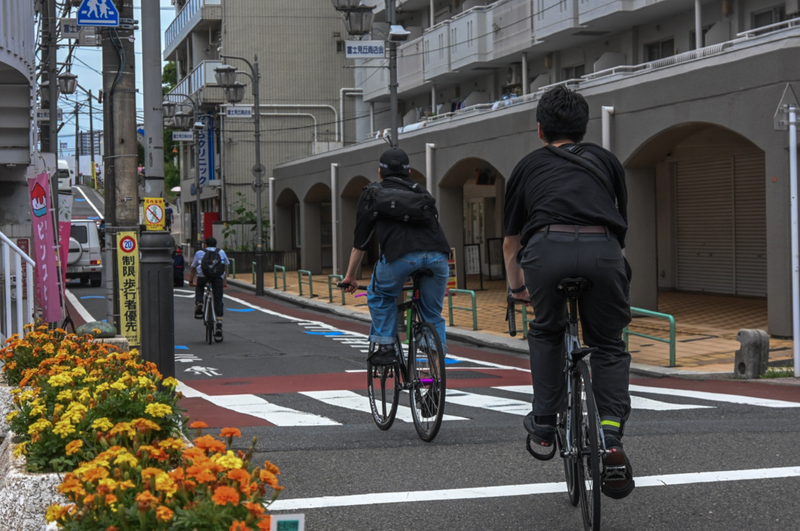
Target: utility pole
(48, 132)
(119, 119)
(153, 116)
(391, 10)
(92, 169)
(77, 146)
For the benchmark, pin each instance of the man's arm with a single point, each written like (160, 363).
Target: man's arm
(516, 278)
(350, 277)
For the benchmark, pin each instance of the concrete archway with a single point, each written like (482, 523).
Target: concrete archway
(287, 209)
(349, 205)
(471, 198)
(316, 229)
(697, 214)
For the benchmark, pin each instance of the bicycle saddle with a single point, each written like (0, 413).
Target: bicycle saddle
(573, 287)
(422, 272)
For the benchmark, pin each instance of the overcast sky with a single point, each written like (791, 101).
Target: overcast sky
(90, 78)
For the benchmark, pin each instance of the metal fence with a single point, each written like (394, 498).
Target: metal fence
(16, 287)
(243, 260)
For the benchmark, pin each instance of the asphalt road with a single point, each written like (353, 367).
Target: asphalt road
(294, 378)
(86, 203)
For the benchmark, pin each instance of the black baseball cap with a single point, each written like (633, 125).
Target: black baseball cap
(394, 162)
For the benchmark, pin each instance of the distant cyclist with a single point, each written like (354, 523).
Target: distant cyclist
(405, 246)
(208, 266)
(566, 216)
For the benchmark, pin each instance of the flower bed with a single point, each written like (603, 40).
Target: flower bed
(108, 420)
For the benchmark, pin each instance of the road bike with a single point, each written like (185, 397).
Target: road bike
(209, 314)
(579, 436)
(419, 369)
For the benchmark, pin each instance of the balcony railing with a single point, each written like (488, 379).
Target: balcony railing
(436, 52)
(554, 17)
(512, 23)
(409, 65)
(186, 19)
(471, 38)
(201, 76)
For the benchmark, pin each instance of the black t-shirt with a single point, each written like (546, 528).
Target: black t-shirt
(397, 238)
(545, 189)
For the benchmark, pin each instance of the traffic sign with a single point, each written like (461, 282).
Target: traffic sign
(154, 213)
(98, 13)
(127, 244)
(259, 170)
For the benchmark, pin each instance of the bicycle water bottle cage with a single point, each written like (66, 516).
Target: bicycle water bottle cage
(581, 352)
(573, 287)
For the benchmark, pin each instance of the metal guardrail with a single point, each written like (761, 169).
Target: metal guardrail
(473, 309)
(330, 288)
(658, 315)
(232, 267)
(300, 273)
(17, 288)
(275, 269)
(525, 321)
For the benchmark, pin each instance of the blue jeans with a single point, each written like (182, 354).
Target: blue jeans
(387, 284)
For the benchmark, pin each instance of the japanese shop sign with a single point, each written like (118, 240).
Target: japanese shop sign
(365, 49)
(205, 145)
(44, 251)
(128, 274)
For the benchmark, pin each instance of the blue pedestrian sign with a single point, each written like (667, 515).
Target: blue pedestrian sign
(98, 13)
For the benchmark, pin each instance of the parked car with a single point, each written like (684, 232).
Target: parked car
(84, 261)
(65, 176)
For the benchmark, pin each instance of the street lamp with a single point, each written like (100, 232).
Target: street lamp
(358, 22)
(67, 83)
(169, 108)
(182, 119)
(234, 92)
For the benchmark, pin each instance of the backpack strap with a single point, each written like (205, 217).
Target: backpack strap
(574, 153)
(414, 187)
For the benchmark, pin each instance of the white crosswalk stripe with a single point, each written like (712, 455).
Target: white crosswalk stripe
(637, 402)
(357, 402)
(492, 403)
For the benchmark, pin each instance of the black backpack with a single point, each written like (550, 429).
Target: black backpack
(211, 264)
(415, 205)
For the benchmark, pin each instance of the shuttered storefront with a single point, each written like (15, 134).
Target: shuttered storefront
(721, 225)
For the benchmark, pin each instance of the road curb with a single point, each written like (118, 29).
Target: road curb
(478, 339)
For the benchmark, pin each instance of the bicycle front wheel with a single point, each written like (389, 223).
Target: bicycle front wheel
(587, 438)
(383, 389)
(209, 320)
(427, 379)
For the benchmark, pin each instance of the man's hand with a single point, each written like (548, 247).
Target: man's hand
(523, 296)
(353, 284)
(191, 283)
(224, 283)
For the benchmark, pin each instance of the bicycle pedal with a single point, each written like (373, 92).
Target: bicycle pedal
(614, 473)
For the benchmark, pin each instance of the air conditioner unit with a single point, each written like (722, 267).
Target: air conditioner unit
(514, 75)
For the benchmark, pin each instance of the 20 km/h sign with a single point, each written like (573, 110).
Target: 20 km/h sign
(154, 213)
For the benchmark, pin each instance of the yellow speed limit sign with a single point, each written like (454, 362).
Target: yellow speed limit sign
(154, 213)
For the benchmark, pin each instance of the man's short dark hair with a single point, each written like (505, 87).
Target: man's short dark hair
(563, 115)
(211, 241)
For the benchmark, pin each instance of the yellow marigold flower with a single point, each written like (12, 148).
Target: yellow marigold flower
(123, 427)
(126, 458)
(127, 484)
(74, 446)
(102, 424)
(165, 484)
(78, 371)
(171, 444)
(55, 512)
(229, 461)
(65, 396)
(119, 385)
(158, 410)
(21, 449)
(60, 380)
(170, 382)
(39, 426)
(90, 379)
(49, 348)
(64, 428)
(11, 416)
(144, 424)
(164, 514)
(84, 395)
(102, 387)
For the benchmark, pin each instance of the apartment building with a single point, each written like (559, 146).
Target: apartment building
(18, 149)
(300, 53)
(691, 119)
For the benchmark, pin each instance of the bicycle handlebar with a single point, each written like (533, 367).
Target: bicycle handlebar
(511, 315)
(343, 285)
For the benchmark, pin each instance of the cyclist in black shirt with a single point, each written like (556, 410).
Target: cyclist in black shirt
(566, 216)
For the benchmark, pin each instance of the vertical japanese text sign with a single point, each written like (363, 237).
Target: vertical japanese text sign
(205, 146)
(128, 274)
(44, 248)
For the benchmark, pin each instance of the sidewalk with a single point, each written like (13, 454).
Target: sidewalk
(706, 324)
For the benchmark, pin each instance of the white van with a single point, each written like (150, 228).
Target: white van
(65, 176)
(84, 261)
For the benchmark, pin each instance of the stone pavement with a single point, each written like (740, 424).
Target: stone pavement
(706, 324)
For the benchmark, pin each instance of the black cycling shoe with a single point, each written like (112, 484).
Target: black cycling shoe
(218, 332)
(198, 310)
(617, 472)
(541, 439)
(385, 355)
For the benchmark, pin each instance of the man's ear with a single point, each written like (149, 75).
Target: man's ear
(380, 173)
(539, 129)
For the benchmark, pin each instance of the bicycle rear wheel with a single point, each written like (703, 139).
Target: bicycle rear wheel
(587, 438)
(208, 318)
(427, 379)
(570, 463)
(383, 389)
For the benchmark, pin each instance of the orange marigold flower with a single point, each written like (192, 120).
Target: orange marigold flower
(88, 499)
(74, 446)
(230, 432)
(223, 495)
(256, 509)
(145, 500)
(269, 478)
(164, 514)
(265, 524)
(210, 444)
(95, 474)
(198, 424)
(269, 467)
(238, 525)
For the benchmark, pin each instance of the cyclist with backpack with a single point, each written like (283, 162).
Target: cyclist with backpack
(405, 216)
(208, 266)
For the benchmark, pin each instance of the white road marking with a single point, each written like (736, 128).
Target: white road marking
(258, 407)
(492, 403)
(637, 402)
(356, 402)
(85, 315)
(88, 201)
(504, 491)
(715, 397)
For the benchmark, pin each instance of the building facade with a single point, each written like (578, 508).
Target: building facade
(18, 149)
(299, 49)
(707, 173)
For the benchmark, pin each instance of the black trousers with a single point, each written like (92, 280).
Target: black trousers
(604, 313)
(216, 288)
